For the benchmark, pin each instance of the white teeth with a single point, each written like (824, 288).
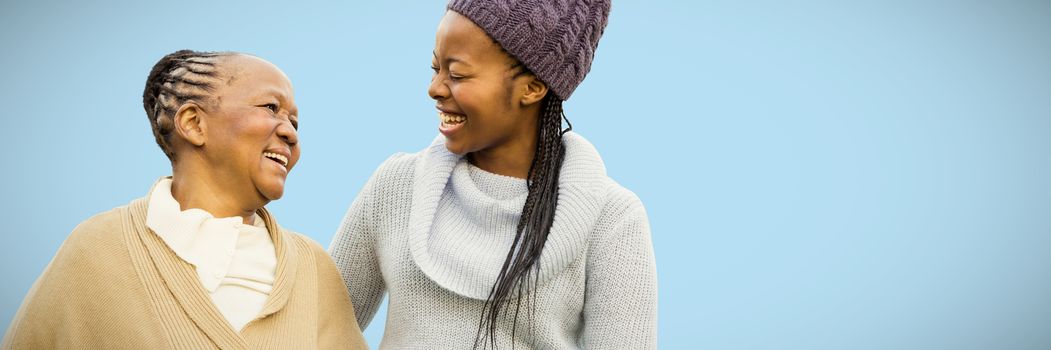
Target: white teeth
(280, 158)
(451, 118)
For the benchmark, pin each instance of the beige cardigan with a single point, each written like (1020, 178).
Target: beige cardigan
(114, 284)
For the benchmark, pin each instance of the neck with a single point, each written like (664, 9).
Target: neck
(513, 156)
(512, 159)
(194, 188)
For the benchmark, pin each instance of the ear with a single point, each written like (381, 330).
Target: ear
(535, 90)
(190, 124)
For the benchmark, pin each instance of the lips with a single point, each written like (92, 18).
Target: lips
(277, 157)
(450, 122)
(451, 118)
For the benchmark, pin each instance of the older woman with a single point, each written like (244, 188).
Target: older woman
(198, 263)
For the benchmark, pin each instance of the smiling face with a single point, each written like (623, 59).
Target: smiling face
(478, 93)
(251, 138)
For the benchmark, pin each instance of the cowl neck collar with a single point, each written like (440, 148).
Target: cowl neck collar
(580, 198)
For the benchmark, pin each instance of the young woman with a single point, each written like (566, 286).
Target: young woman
(506, 231)
(198, 263)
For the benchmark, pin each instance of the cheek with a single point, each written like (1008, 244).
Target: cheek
(484, 104)
(295, 155)
(465, 98)
(254, 130)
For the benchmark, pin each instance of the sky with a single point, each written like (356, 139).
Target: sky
(817, 174)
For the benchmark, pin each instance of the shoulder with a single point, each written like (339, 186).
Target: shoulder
(404, 164)
(100, 222)
(396, 172)
(95, 251)
(398, 165)
(622, 217)
(585, 184)
(307, 247)
(98, 235)
(584, 170)
(390, 180)
(304, 244)
(400, 170)
(311, 252)
(78, 287)
(620, 201)
(622, 240)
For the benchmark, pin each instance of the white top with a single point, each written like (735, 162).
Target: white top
(236, 263)
(433, 231)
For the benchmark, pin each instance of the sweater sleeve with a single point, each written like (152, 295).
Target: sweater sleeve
(353, 249)
(620, 308)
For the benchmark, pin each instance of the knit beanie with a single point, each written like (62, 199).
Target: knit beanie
(555, 39)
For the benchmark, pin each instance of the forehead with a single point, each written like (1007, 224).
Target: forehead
(458, 37)
(243, 74)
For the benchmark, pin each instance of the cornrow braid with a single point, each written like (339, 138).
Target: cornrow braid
(521, 269)
(178, 77)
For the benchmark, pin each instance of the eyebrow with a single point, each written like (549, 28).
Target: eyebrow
(280, 96)
(274, 92)
(451, 60)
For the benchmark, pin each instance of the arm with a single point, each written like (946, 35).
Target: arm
(353, 251)
(620, 307)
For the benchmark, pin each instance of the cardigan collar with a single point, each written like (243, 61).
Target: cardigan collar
(580, 198)
(182, 281)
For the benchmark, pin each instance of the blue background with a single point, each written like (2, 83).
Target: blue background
(818, 174)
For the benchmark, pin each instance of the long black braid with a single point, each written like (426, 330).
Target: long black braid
(521, 269)
(178, 77)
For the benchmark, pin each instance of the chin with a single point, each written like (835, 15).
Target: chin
(274, 195)
(455, 148)
(271, 192)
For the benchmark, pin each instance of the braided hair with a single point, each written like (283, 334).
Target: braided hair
(521, 269)
(178, 77)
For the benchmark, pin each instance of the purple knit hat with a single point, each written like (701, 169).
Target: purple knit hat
(555, 39)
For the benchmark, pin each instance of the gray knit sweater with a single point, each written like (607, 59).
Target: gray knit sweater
(433, 231)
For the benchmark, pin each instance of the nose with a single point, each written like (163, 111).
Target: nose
(288, 134)
(437, 90)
